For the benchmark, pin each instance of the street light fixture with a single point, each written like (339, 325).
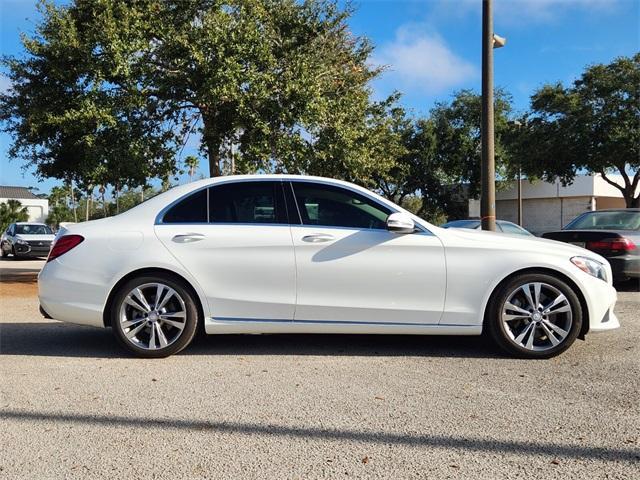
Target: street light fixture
(488, 170)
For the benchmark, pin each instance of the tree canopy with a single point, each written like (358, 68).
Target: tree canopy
(12, 211)
(109, 91)
(592, 126)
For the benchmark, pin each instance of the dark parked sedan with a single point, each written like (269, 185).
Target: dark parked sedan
(614, 234)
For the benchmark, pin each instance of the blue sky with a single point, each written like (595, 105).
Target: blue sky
(432, 48)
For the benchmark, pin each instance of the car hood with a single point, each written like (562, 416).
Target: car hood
(35, 238)
(495, 240)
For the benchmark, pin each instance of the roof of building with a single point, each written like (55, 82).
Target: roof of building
(15, 192)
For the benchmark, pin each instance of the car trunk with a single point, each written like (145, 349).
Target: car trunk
(604, 242)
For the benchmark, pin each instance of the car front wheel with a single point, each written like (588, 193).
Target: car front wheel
(154, 316)
(534, 316)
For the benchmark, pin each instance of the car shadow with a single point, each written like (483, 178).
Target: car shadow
(23, 275)
(64, 340)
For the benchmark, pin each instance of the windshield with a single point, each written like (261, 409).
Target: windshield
(614, 220)
(33, 230)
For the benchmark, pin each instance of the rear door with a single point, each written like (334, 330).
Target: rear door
(235, 239)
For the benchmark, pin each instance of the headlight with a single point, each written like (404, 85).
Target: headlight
(590, 266)
(21, 242)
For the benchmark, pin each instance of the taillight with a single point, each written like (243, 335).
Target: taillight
(63, 244)
(622, 244)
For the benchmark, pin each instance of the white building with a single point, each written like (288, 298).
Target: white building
(38, 208)
(550, 206)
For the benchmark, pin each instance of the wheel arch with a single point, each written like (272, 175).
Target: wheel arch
(548, 271)
(106, 313)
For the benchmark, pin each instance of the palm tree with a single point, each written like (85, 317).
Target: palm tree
(192, 162)
(12, 211)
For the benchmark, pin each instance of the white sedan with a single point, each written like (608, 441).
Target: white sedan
(295, 254)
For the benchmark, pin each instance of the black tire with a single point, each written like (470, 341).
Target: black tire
(497, 331)
(183, 339)
(3, 252)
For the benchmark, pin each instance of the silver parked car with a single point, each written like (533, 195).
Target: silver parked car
(501, 226)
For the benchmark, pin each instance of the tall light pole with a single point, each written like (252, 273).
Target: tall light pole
(519, 125)
(488, 170)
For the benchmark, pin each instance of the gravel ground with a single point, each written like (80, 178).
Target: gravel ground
(73, 405)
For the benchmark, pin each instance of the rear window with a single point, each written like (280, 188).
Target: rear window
(462, 224)
(192, 209)
(616, 220)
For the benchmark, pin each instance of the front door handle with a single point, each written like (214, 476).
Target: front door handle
(318, 238)
(188, 238)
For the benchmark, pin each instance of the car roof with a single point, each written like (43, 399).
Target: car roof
(30, 223)
(615, 210)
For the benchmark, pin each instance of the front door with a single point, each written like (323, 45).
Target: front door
(350, 268)
(235, 239)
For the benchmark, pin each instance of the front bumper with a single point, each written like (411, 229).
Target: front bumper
(22, 250)
(601, 299)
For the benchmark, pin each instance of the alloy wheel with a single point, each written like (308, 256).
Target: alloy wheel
(537, 316)
(152, 316)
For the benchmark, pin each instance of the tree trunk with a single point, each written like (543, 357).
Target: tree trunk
(213, 152)
(88, 209)
(628, 189)
(73, 203)
(213, 143)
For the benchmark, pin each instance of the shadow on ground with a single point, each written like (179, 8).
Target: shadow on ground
(553, 450)
(27, 275)
(64, 340)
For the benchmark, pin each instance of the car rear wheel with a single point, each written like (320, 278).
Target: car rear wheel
(154, 316)
(534, 316)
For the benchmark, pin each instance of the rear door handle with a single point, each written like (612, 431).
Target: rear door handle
(188, 238)
(318, 238)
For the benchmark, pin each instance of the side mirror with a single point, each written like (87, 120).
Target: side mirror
(400, 223)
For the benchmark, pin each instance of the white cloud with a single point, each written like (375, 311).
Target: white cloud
(422, 61)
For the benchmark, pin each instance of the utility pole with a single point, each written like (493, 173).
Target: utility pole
(519, 194)
(488, 170)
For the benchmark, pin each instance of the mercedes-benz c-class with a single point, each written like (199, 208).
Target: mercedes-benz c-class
(296, 254)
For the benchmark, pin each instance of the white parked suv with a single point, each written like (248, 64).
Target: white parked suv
(295, 254)
(25, 239)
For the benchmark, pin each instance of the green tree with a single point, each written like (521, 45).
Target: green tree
(108, 90)
(458, 134)
(192, 163)
(438, 166)
(593, 126)
(12, 211)
(75, 110)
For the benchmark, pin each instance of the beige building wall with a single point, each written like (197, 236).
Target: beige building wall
(610, 202)
(541, 215)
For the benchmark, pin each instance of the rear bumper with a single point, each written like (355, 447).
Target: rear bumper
(70, 295)
(625, 266)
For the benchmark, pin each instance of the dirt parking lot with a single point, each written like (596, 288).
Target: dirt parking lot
(74, 405)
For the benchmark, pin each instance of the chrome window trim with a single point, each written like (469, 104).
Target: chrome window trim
(158, 220)
(160, 215)
(345, 187)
